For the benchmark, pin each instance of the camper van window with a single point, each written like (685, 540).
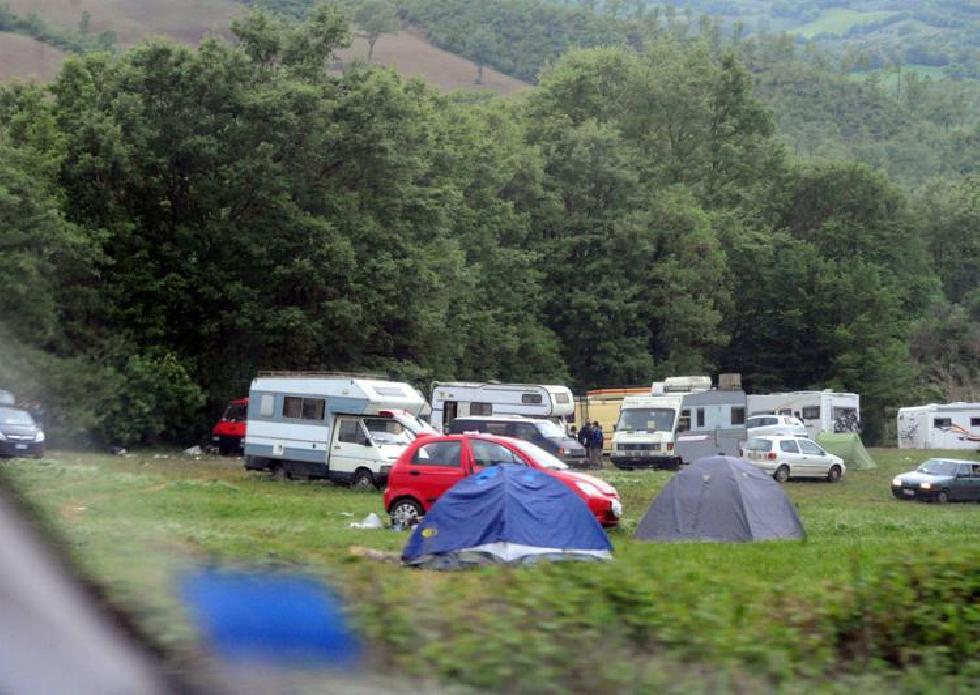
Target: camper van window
(684, 422)
(313, 408)
(303, 408)
(561, 398)
(267, 405)
(738, 416)
(292, 407)
(350, 431)
(942, 422)
(811, 412)
(975, 422)
(531, 399)
(481, 409)
(700, 417)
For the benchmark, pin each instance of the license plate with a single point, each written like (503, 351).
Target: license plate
(20, 446)
(908, 493)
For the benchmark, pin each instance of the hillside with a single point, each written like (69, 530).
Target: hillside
(24, 58)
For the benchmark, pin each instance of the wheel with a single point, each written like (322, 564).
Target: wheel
(942, 497)
(362, 479)
(833, 475)
(782, 474)
(405, 512)
(279, 471)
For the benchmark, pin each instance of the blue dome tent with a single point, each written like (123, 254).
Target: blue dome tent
(510, 515)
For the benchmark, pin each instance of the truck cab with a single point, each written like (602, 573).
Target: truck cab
(229, 432)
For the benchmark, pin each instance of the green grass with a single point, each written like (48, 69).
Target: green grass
(707, 615)
(837, 21)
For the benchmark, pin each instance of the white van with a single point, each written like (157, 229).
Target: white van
(683, 419)
(347, 428)
(453, 399)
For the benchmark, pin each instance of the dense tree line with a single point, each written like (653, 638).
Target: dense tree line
(173, 219)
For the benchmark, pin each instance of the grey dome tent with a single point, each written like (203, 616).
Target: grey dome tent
(720, 498)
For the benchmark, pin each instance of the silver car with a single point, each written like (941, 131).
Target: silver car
(793, 457)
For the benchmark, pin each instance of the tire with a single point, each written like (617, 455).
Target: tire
(278, 471)
(362, 479)
(942, 497)
(405, 512)
(782, 474)
(833, 475)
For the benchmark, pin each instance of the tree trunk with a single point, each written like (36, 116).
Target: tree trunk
(371, 43)
(479, 73)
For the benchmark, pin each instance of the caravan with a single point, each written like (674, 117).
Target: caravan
(683, 419)
(453, 399)
(820, 411)
(940, 426)
(347, 428)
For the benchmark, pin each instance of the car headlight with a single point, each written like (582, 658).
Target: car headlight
(896, 481)
(925, 486)
(588, 488)
(39, 437)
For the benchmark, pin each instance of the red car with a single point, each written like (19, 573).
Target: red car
(430, 466)
(229, 432)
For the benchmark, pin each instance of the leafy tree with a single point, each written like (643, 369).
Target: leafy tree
(374, 18)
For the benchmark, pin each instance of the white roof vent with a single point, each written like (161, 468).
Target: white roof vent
(685, 384)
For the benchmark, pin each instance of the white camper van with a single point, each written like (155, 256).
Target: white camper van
(347, 428)
(683, 419)
(820, 411)
(939, 426)
(453, 399)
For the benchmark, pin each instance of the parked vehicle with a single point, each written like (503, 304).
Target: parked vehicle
(784, 425)
(602, 406)
(543, 433)
(228, 433)
(19, 434)
(430, 466)
(346, 428)
(683, 419)
(940, 480)
(793, 457)
(939, 426)
(820, 411)
(453, 399)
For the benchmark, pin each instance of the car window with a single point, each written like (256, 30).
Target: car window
(350, 431)
(966, 470)
(789, 446)
(491, 454)
(498, 428)
(759, 444)
(438, 454)
(808, 447)
(976, 470)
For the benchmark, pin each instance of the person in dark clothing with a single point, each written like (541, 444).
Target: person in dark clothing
(598, 437)
(585, 438)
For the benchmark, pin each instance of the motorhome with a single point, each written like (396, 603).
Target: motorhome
(939, 426)
(820, 411)
(347, 428)
(602, 406)
(452, 399)
(679, 421)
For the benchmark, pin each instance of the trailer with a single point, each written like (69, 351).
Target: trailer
(453, 399)
(820, 411)
(678, 422)
(346, 428)
(939, 426)
(602, 406)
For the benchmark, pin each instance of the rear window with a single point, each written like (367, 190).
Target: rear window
(757, 444)
(532, 398)
(811, 412)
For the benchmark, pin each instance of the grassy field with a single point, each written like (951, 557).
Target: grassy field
(837, 21)
(703, 615)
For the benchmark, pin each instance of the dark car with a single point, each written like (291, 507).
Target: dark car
(544, 433)
(19, 434)
(940, 480)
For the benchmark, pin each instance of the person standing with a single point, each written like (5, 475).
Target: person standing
(585, 439)
(598, 438)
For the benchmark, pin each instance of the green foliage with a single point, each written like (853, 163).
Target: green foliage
(374, 18)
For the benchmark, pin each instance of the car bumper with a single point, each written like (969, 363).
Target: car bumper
(227, 442)
(14, 447)
(913, 493)
(607, 511)
(644, 461)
